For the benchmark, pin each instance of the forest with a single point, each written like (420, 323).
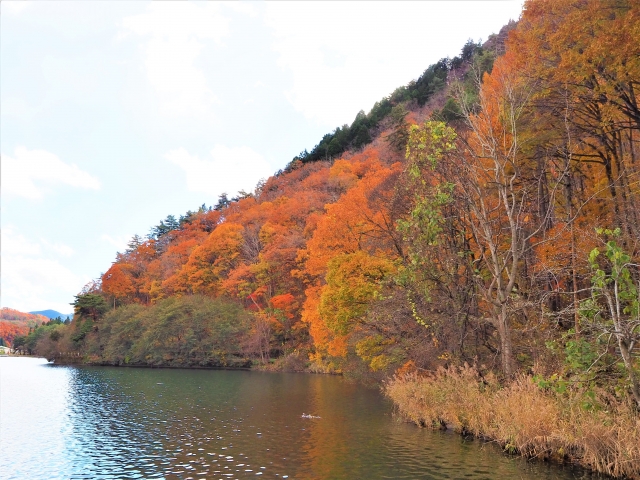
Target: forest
(473, 243)
(14, 323)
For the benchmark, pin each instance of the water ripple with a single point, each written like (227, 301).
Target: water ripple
(107, 423)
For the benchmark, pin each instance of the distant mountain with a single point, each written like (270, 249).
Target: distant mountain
(15, 323)
(53, 314)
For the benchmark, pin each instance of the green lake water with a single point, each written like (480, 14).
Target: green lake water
(60, 422)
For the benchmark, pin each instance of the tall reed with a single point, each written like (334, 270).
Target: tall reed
(523, 418)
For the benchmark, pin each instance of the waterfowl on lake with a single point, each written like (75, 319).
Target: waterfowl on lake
(306, 415)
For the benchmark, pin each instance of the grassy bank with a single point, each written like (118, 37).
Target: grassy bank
(598, 432)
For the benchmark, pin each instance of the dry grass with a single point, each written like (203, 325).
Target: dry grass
(523, 418)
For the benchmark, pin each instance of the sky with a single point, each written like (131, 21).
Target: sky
(114, 115)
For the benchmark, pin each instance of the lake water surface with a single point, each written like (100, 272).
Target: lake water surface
(100, 423)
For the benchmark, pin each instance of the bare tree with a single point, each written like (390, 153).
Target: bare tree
(498, 188)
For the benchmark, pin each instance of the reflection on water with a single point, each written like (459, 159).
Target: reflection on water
(100, 423)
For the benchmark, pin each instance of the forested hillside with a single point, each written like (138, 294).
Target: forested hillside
(460, 229)
(14, 323)
(485, 214)
(269, 250)
(22, 318)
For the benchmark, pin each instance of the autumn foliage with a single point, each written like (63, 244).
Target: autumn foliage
(21, 318)
(486, 228)
(10, 330)
(460, 231)
(14, 323)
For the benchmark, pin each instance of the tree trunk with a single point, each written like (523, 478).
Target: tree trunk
(506, 346)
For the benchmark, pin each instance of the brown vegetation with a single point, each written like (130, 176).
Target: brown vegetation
(601, 433)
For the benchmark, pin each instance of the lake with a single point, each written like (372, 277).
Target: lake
(115, 423)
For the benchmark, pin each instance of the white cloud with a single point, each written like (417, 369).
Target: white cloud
(58, 248)
(30, 280)
(345, 56)
(14, 7)
(171, 72)
(33, 283)
(229, 170)
(179, 19)
(18, 108)
(121, 242)
(175, 32)
(242, 7)
(14, 243)
(30, 173)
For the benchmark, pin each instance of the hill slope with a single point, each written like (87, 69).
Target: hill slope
(14, 323)
(459, 229)
(22, 318)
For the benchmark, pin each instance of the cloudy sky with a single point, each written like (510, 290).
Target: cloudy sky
(115, 114)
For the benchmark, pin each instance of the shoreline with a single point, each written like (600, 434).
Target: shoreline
(522, 419)
(254, 368)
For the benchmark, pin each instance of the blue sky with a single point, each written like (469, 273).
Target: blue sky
(116, 114)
